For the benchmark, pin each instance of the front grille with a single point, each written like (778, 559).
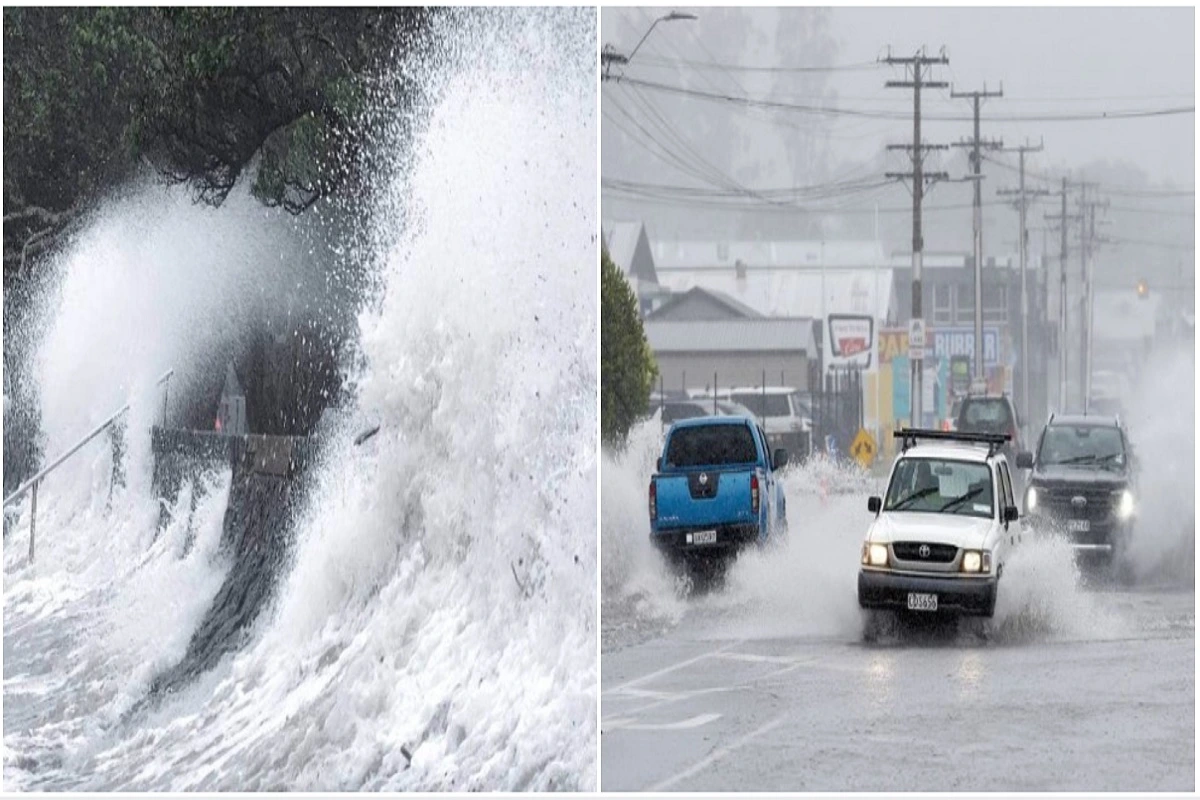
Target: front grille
(911, 551)
(1062, 502)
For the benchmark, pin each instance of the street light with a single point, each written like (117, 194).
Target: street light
(609, 56)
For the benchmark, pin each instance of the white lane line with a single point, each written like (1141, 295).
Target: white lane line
(667, 670)
(682, 725)
(716, 755)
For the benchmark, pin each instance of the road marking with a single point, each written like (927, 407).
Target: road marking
(667, 670)
(630, 723)
(716, 755)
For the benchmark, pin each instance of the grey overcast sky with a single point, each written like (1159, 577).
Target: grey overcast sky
(1048, 59)
(1051, 61)
(1141, 57)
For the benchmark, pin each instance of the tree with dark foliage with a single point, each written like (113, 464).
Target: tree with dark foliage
(203, 95)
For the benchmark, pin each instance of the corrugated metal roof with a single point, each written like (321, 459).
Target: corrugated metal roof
(757, 254)
(796, 293)
(733, 304)
(722, 336)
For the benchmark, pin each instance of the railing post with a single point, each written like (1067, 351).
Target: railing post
(32, 521)
(166, 392)
(116, 437)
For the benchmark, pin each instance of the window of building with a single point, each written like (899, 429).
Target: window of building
(964, 304)
(943, 304)
(995, 304)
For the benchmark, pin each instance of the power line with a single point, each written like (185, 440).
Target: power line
(1116, 114)
(1123, 191)
(713, 65)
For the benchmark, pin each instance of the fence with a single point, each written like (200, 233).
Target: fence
(114, 426)
(837, 409)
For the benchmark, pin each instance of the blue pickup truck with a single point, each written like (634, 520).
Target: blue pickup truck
(716, 489)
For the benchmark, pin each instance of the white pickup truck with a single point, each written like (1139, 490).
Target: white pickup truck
(942, 533)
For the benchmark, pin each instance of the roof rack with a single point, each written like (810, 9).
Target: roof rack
(908, 437)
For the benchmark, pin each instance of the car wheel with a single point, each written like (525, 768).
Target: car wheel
(876, 623)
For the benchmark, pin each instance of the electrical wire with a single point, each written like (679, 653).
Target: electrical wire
(1116, 114)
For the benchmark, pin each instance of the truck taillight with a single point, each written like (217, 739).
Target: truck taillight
(653, 502)
(754, 493)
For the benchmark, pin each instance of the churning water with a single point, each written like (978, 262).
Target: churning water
(435, 626)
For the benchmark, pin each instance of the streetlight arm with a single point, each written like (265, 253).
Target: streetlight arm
(672, 17)
(646, 34)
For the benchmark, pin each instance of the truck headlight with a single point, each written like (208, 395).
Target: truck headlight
(977, 561)
(875, 555)
(1031, 500)
(1125, 505)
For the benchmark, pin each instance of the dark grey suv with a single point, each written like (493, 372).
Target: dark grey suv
(1083, 483)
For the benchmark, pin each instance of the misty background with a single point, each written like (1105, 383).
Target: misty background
(745, 162)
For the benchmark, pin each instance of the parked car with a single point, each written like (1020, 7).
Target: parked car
(786, 420)
(943, 531)
(993, 414)
(716, 489)
(1083, 483)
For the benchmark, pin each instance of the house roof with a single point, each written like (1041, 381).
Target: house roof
(796, 293)
(740, 335)
(735, 306)
(758, 254)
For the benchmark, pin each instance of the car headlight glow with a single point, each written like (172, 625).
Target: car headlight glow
(875, 555)
(1125, 505)
(1031, 500)
(977, 561)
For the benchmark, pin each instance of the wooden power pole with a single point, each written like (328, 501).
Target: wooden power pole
(916, 67)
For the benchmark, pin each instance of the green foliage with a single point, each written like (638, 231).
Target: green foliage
(627, 366)
(202, 94)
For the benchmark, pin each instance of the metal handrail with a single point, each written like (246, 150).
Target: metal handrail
(33, 482)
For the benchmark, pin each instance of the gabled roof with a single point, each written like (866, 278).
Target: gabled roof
(629, 248)
(735, 307)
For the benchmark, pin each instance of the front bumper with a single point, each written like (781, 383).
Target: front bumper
(959, 595)
(1103, 537)
(730, 539)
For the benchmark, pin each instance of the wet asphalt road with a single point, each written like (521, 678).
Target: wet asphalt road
(934, 709)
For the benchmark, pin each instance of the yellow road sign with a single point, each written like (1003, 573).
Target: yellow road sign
(863, 448)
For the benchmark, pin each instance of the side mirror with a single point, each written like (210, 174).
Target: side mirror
(1010, 514)
(1024, 460)
(780, 459)
(874, 504)
(658, 464)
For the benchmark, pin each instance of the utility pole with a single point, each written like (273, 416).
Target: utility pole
(977, 217)
(1023, 244)
(1087, 213)
(1063, 219)
(916, 66)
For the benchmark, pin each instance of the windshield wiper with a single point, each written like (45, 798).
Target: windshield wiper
(1084, 459)
(959, 500)
(899, 504)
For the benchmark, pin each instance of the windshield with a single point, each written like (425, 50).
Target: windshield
(735, 409)
(776, 405)
(1082, 445)
(711, 445)
(676, 411)
(940, 486)
(986, 416)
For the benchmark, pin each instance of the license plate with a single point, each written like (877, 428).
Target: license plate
(704, 537)
(918, 601)
(1079, 525)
